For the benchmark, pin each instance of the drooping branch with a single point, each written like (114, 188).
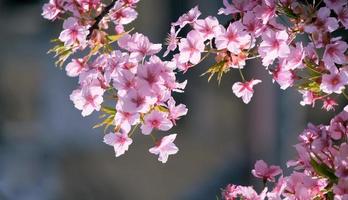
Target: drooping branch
(100, 17)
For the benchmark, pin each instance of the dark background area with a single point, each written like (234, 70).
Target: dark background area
(48, 151)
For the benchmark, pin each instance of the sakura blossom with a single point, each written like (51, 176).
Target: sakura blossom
(191, 48)
(265, 172)
(156, 120)
(165, 148)
(245, 90)
(234, 38)
(119, 141)
(274, 45)
(73, 33)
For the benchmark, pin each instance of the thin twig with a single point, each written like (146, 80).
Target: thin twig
(99, 18)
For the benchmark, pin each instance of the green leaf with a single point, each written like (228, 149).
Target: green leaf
(324, 171)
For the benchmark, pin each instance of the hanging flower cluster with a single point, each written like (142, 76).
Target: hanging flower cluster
(296, 41)
(128, 83)
(320, 170)
(122, 75)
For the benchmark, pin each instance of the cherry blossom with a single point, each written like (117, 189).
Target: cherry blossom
(245, 90)
(52, 9)
(334, 53)
(165, 148)
(156, 120)
(87, 99)
(234, 38)
(191, 48)
(73, 32)
(120, 142)
(265, 172)
(334, 82)
(273, 45)
(208, 27)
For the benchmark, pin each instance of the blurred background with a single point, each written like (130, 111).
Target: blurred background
(48, 151)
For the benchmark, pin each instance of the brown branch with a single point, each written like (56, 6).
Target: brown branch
(99, 18)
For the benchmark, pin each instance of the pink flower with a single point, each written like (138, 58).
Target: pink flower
(52, 9)
(156, 119)
(188, 18)
(126, 119)
(334, 82)
(208, 27)
(252, 25)
(124, 15)
(136, 101)
(75, 67)
(342, 16)
(191, 48)
(308, 98)
(139, 46)
(165, 148)
(265, 172)
(175, 112)
(245, 90)
(237, 6)
(124, 82)
(266, 11)
(87, 99)
(329, 104)
(295, 58)
(323, 23)
(234, 38)
(273, 45)
(341, 162)
(172, 41)
(335, 4)
(285, 78)
(335, 53)
(120, 142)
(73, 33)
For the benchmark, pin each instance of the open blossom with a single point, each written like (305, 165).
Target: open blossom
(323, 23)
(308, 98)
(237, 6)
(87, 99)
(265, 172)
(175, 112)
(334, 82)
(342, 16)
(188, 18)
(245, 90)
(52, 9)
(208, 27)
(191, 48)
(75, 67)
(335, 53)
(120, 142)
(124, 15)
(73, 33)
(335, 4)
(139, 45)
(266, 11)
(136, 101)
(165, 147)
(252, 25)
(125, 120)
(295, 58)
(234, 38)
(285, 78)
(156, 120)
(273, 45)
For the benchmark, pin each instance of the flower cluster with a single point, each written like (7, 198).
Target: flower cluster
(296, 41)
(320, 169)
(127, 82)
